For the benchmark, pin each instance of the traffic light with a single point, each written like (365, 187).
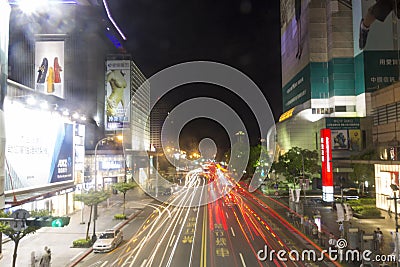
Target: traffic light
(48, 221)
(60, 221)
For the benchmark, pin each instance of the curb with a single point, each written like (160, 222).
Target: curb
(118, 226)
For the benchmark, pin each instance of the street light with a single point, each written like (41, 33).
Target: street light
(303, 181)
(94, 237)
(395, 188)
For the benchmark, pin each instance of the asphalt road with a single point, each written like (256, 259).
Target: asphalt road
(235, 230)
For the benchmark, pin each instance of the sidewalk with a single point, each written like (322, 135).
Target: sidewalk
(59, 240)
(330, 224)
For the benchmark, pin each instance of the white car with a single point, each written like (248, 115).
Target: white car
(108, 240)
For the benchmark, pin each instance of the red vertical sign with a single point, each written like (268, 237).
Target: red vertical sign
(326, 159)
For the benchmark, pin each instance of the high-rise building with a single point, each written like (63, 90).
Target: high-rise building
(58, 56)
(326, 79)
(157, 117)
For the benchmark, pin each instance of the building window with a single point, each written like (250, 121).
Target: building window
(340, 108)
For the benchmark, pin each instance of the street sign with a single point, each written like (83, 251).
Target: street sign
(20, 214)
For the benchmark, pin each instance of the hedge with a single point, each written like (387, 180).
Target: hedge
(82, 243)
(120, 216)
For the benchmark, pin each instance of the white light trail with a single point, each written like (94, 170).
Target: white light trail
(112, 20)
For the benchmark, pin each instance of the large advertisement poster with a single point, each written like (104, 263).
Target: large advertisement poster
(117, 94)
(376, 65)
(49, 62)
(346, 133)
(295, 52)
(39, 148)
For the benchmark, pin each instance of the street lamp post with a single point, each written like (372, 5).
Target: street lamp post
(303, 181)
(395, 188)
(94, 237)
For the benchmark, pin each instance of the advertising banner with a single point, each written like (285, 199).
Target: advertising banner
(63, 151)
(49, 62)
(295, 52)
(340, 139)
(355, 140)
(346, 133)
(39, 148)
(376, 66)
(326, 160)
(342, 123)
(117, 86)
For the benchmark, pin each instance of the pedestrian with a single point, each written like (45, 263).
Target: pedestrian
(46, 258)
(390, 212)
(315, 232)
(341, 229)
(332, 241)
(379, 239)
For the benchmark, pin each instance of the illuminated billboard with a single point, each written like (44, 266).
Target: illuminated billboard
(39, 148)
(295, 52)
(376, 66)
(49, 72)
(345, 133)
(117, 95)
(326, 160)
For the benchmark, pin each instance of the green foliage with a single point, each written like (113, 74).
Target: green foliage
(4, 214)
(370, 211)
(258, 158)
(362, 202)
(40, 213)
(290, 164)
(365, 207)
(124, 187)
(120, 216)
(15, 236)
(92, 197)
(364, 172)
(82, 243)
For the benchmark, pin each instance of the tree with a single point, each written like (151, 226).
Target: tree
(364, 172)
(258, 158)
(290, 164)
(14, 235)
(91, 198)
(124, 188)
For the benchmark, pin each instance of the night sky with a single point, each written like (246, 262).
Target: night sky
(244, 34)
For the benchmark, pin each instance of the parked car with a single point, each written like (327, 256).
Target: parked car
(108, 240)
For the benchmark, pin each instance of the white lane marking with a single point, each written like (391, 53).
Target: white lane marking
(77, 255)
(104, 264)
(233, 233)
(226, 215)
(180, 221)
(241, 258)
(144, 263)
(172, 241)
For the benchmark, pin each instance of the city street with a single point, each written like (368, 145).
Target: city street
(228, 232)
(59, 240)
